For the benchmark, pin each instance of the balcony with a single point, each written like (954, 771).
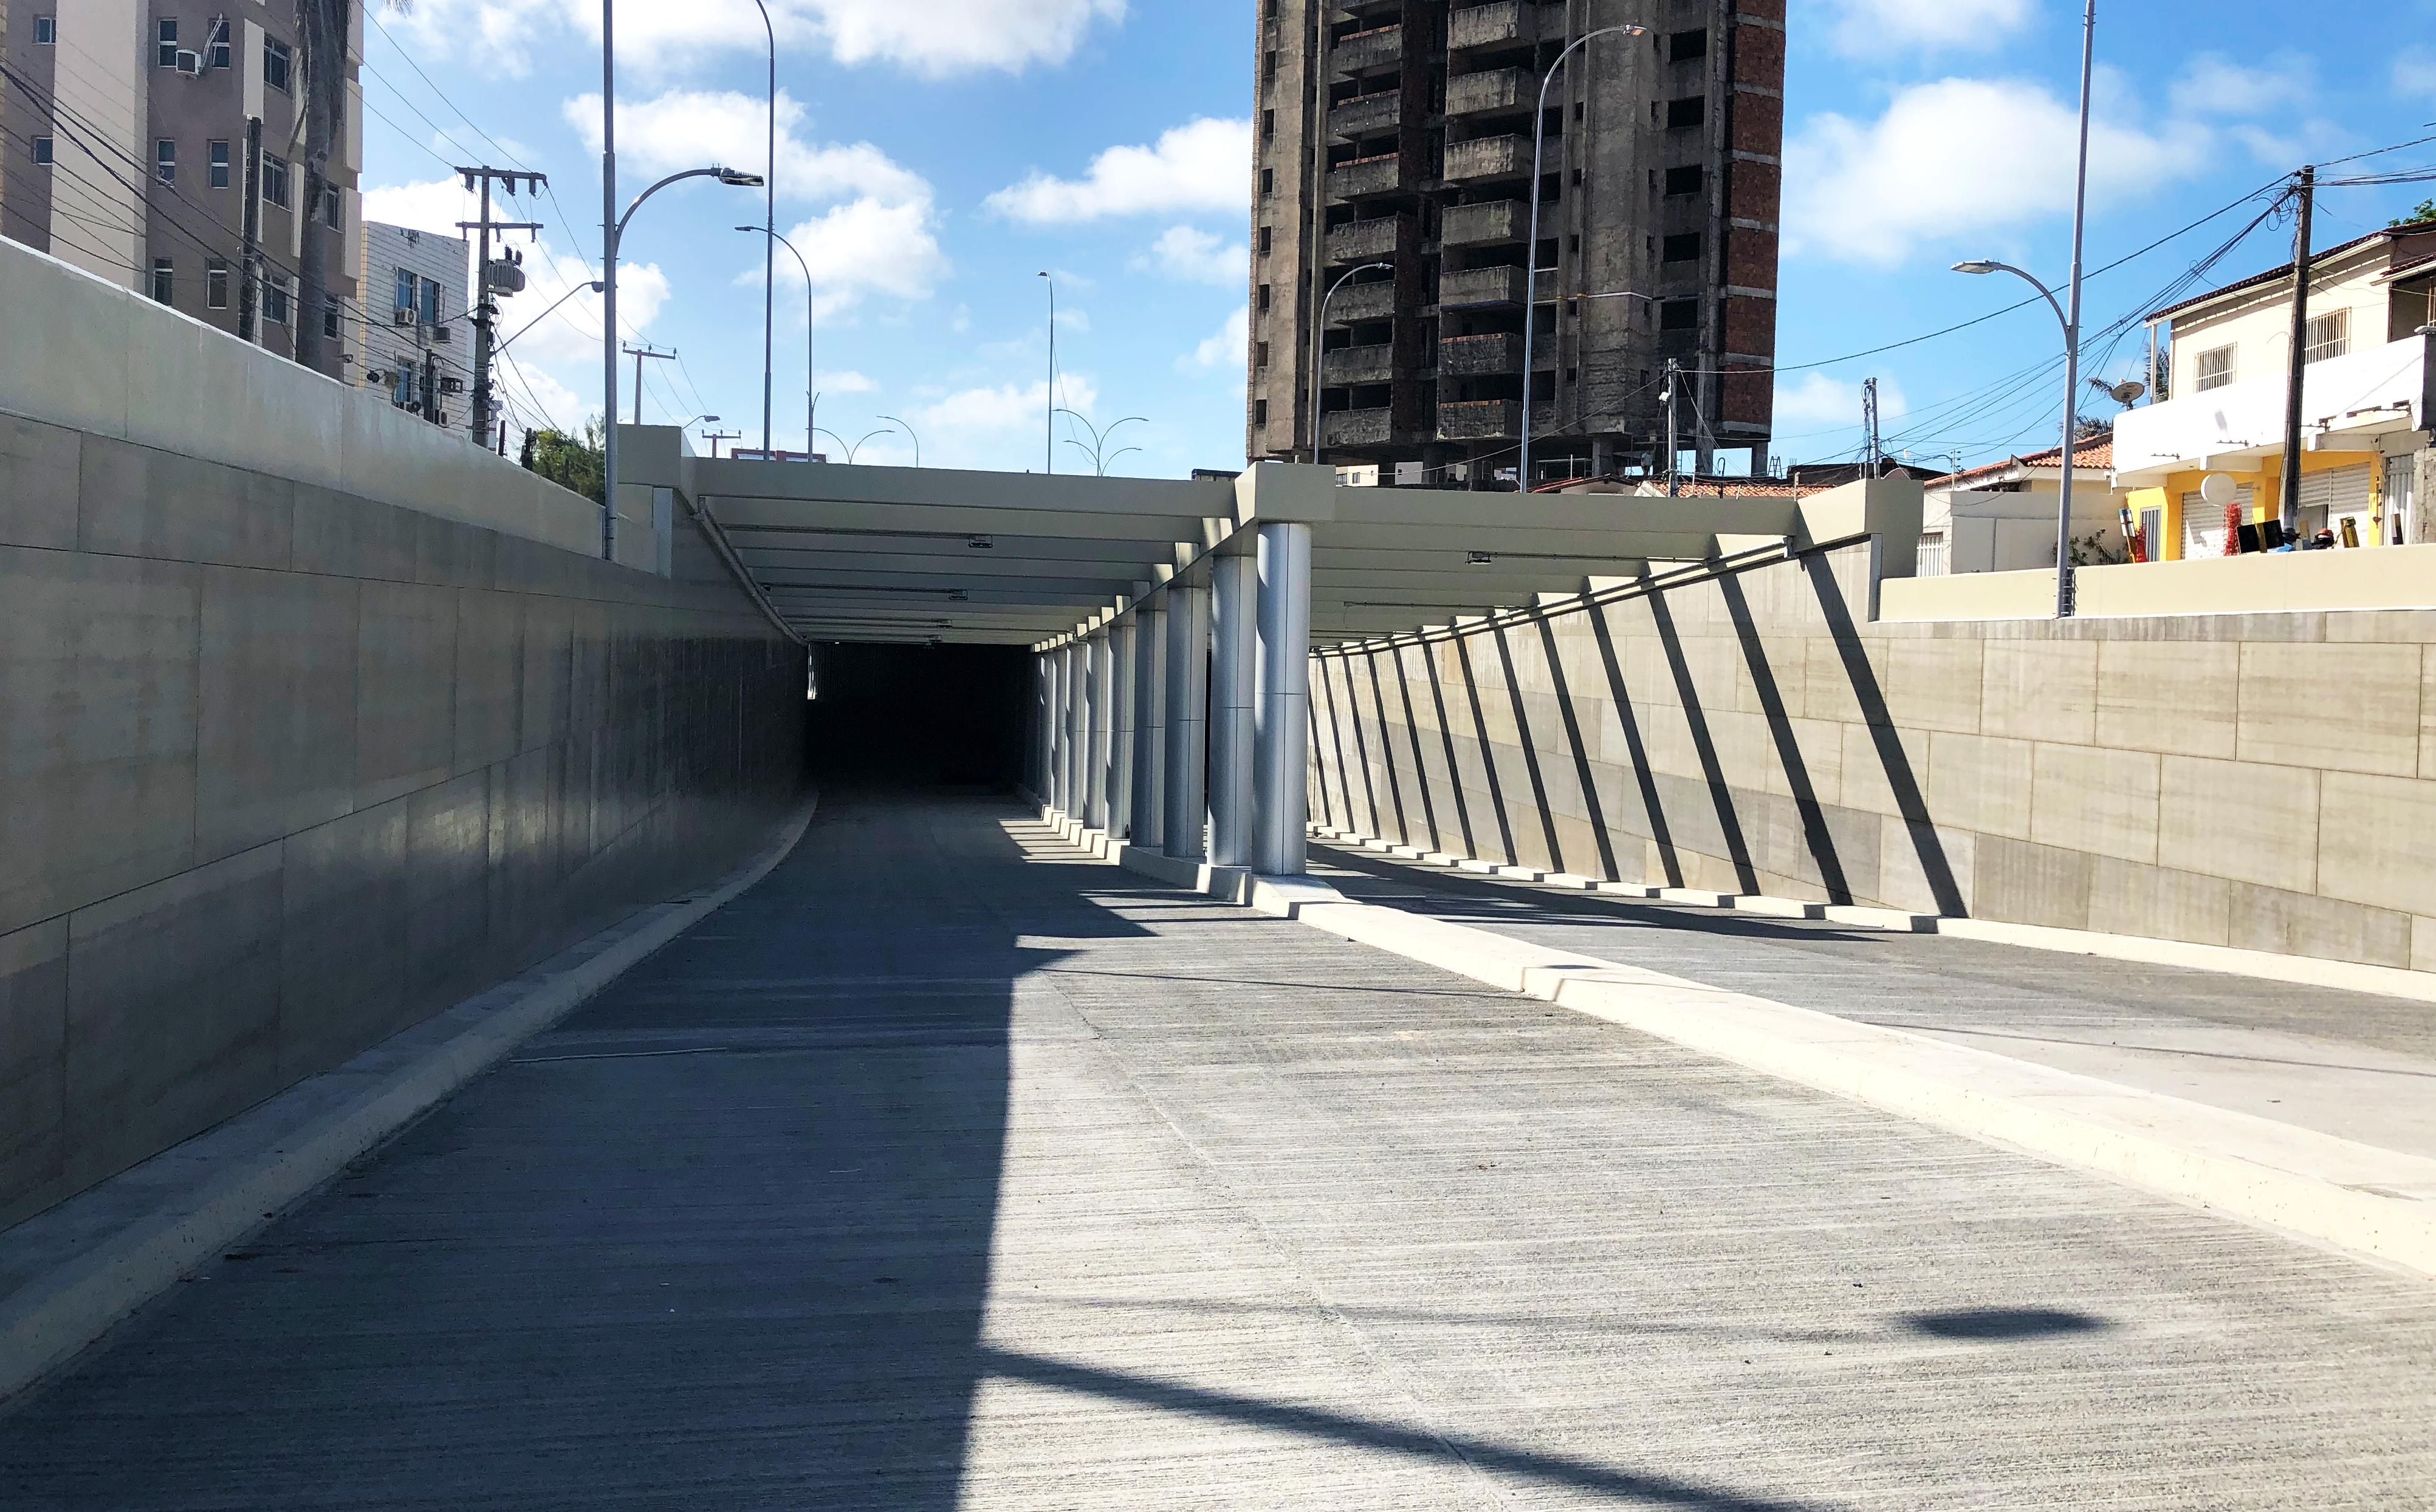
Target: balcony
(1357, 302)
(1498, 90)
(1480, 287)
(1486, 225)
(1356, 427)
(1383, 174)
(2348, 403)
(1511, 21)
(1360, 51)
(1480, 356)
(1490, 419)
(1358, 364)
(1489, 157)
(1364, 241)
(1367, 114)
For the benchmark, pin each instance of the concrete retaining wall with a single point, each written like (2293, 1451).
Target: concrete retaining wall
(2264, 781)
(283, 770)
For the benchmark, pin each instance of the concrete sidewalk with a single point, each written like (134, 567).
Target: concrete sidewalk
(951, 1169)
(2357, 1065)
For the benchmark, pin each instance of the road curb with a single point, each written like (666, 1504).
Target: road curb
(251, 1168)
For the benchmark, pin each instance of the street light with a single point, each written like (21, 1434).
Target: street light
(811, 400)
(2063, 600)
(1325, 300)
(1099, 440)
(595, 286)
(610, 240)
(1049, 421)
(1531, 252)
(857, 447)
(918, 440)
(770, 215)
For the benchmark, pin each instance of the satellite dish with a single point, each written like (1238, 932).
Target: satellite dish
(2216, 489)
(2128, 393)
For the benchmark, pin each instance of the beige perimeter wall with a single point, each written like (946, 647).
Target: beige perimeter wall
(2265, 781)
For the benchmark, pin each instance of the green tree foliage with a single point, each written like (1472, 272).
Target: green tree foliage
(575, 464)
(2423, 215)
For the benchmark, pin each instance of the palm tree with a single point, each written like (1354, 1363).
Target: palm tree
(322, 38)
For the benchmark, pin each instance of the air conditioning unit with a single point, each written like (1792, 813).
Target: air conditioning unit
(402, 317)
(190, 64)
(440, 336)
(452, 386)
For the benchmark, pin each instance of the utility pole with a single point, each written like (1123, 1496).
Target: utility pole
(1870, 422)
(715, 437)
(1674, 451)
(2289, 510)
(638, 354)
(249, 297)
(486, 312)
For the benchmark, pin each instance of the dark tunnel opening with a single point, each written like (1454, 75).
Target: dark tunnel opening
(939, 718)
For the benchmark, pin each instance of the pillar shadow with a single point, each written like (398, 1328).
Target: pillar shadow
(1636, 749)
(1582, 772)
(1454, 770)
(1487, 755)
(1816, 836)
(1386, 747)
(1360, 746)
(1530, 752)
(1336, 738)
(1729, 825)
(1420, 766)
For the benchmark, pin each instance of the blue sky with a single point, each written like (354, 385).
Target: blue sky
(936, 157)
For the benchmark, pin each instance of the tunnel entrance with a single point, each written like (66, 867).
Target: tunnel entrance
(945, 717)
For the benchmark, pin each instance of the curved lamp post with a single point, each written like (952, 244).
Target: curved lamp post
(811, 399)
(918, 440)
(857, 446)
(1099, 440)
(1531, 255)
(595, 286)
(1318, 442)
(617, 236)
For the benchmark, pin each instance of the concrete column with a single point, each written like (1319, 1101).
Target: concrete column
(1234, 644)
(1104, 728)
(1281, 739)
(1036, 723)
(1188, 699)
(1150, 724)
(1122, 646)
(1053, 727)
(1070, 765)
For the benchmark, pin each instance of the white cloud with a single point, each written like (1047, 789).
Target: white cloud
(524, 386)
(2414, 71)
(1962, 157)
(1869, 27)
(1198, 256)
(1001, 426)
(848, 382)
(936, 38)
(1224, 351)
(436, 206)
(1819, 403)
(882, 239)
(2214, 84)
(1203, 164)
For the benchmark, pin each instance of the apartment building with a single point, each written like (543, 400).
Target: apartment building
(131, 129)
(1399, 133)
(417, 336)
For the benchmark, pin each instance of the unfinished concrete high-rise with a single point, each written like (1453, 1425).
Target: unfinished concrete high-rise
(1658, 197)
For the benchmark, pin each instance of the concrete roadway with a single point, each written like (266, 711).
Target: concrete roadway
(948, 1169)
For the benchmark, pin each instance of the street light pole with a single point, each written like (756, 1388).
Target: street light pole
(2072, 321)
(1319, 348)
(811, 400)
(770, 216)
(2071, 364)
(1049, 418)
(917, 440)
(1531, 251)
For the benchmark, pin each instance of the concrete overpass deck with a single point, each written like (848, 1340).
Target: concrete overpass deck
(947, 1168)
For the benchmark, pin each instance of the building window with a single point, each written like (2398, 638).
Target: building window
(46, 31)
(332, 215)
(1265, 235)
(1265, 299)
(1682, 249)
(1268, 125)
(429, 306)
(2329, 336)
(405, 289)
(165, 33)
(1259, 411)
(216, 49)
(1680, 314)
(219, 165)
(274, 64)
(1261, 353)
(2215, 367)
(401, 382)
(330, 320)
(1685, 45)
(164, 160)
(165, 279)
(1682, 114)
(216, 283)
(274, 180)
(1268, 180)
(43, 149)
(275, 300)
(1688, 180)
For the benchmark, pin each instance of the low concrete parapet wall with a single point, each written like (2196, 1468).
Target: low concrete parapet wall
(2266, 781)
(286, 768)
(2389, 576)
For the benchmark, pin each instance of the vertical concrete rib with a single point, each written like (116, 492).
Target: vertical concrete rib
(1280, 801)
(1150, 722)
(1234, 645)
(1071, 804)
(1100, 706)
(1121, 645)
(1187, 698)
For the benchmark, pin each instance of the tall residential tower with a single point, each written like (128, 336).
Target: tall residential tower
(1658, 233)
